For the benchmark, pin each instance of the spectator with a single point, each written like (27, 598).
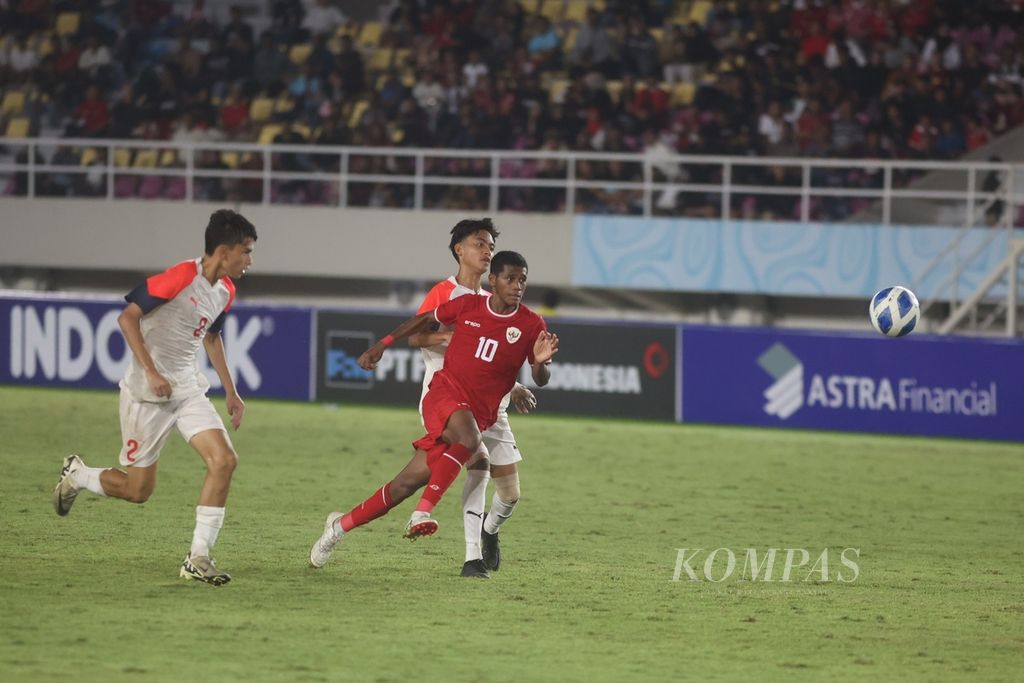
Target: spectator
(323, 18)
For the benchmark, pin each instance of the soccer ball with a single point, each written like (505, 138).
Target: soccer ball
(894, 311)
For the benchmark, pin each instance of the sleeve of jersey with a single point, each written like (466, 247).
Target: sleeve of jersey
(218, 324)
(438, 294)
(448, 313)
(161, 288)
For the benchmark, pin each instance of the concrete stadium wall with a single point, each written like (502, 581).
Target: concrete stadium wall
(306, 241)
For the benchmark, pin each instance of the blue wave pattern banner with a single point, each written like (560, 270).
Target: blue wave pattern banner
(814, 259)
(60, 341)
(925, 385)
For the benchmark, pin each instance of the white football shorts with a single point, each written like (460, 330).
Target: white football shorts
(145, 426)
(500, 443)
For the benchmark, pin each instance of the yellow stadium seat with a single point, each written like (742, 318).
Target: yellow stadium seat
(122, 158)
(302, 130)
(13, 103)
(553, 10)
(409, 78)
(569, 40)
(530, 6)
(300, 53)
(18, 127)
(90, 155)
(614, 89)
(269, 132)
(230, 159)
(699, 11)
(658, 34)
(261, 109)
(169, 157)
(369, 36)
(67, 23)
(145, 158)
(381, 59)
(558, 88)
(682, 94)
(576, 10)
(358, 109)
(284, 104)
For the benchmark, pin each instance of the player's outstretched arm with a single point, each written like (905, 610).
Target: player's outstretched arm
(544, 349)
(429, 338)
(215, 352)
(130, 322)
(417, 323)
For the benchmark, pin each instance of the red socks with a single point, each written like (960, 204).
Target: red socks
(445, 463)
(370, 509)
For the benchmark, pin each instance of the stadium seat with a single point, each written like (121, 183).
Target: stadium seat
(269, 132)
(569, 40)
(67, 23)
(699, 11)
(682, 94)
(576, 10)
(284, 104)
(614, 89)
(381, 59)
(90, 155)
(145, 158)
(122, 158)
(530, 6)
(230, 159)
(558, 88)
(300, 53)
(553, 10)
(358, 109)
(169, 157)
(18, 127)
(369, 36)
(261, 109)
(13, 103)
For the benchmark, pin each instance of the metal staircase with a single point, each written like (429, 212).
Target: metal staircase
(979, 311)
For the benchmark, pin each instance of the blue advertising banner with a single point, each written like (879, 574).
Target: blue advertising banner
(57, 341)
(769, 257)
(931, 386)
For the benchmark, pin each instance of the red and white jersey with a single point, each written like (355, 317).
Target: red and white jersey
(180, 307)
(433, 356)
(487, 349)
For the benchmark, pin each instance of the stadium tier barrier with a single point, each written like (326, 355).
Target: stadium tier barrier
(920, 385)
(655, 182)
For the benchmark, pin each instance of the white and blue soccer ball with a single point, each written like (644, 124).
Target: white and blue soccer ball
(894, 311)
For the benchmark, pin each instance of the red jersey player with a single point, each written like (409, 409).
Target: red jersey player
(492, 338)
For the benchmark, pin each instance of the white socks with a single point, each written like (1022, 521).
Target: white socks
(88, 478)
(473, 500)
(499, 514)
(209, 520)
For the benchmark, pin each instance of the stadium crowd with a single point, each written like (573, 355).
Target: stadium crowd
(877, 79)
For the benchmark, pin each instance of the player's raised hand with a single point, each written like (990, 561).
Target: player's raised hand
(545, 347)
(370, 357)
(236, 409)
(158, 383)
(523, 399)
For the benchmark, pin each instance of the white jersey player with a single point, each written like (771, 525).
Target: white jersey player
(472, 245)
(166, 320)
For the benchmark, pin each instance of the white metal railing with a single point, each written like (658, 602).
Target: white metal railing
(27, 168)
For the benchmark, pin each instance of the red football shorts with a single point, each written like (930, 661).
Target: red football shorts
(443, 398)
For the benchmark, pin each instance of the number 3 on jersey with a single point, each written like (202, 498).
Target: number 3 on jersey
(486, 349)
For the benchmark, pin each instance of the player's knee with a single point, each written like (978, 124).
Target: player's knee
(471, 441)
(223, 464)
(507, 488)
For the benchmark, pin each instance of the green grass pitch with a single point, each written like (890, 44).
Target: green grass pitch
(585, 592)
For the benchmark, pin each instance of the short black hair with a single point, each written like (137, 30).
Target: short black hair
(507, 258)
(227, 227)
(467, 227)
